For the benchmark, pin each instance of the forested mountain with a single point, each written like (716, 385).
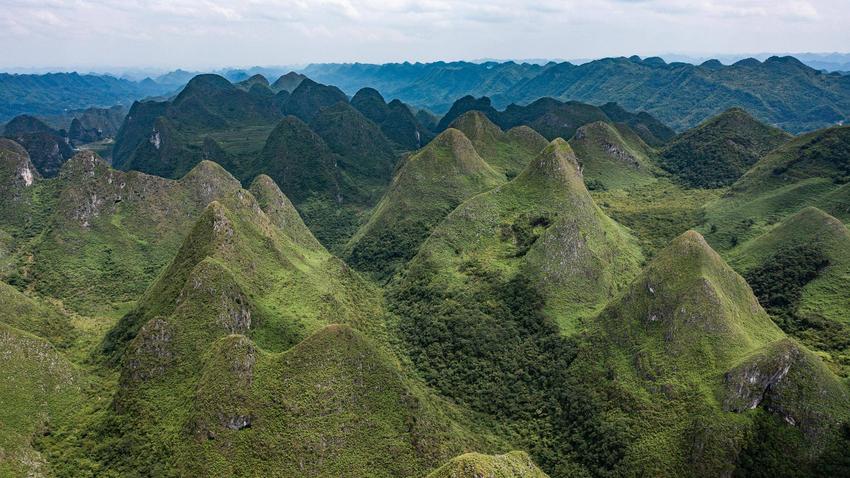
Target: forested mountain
(780, 91)
(53, 93)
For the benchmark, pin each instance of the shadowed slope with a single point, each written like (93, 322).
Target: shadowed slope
(719, 151)
(428, 185)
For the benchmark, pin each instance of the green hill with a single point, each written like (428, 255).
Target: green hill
(544, 226)
(366, 156)
(427, 186)
(553, 118)
(780, 90)
(650, 129)
(309, 97)
(810, 170)
(613, 156)
(719, 151)
(42, 388)
(800, 271)
(236, 357)
(17, 177)
(257, 79)
(491, 307)
(395, 119)
(333, 162)
(507, 153)
(515, 464)
(107, 233)
(288, 82)
(688, 344)
(48, 149)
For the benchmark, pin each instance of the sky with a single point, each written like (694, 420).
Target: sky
(202, 34)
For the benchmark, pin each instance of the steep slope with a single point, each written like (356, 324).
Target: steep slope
(650, 129)
(466, 104)
(613, 156)
(47, 148)
(810, 170)
(366, 156)
(306, 168)
(281, 211)
(507, 153)
(428, 185)
(309, 97)
(257, 79)
(490, 308)
(17, 179)
(41, 387)
(689, 343)
(165, 138)
(236, 357)
(288, 82)
(473, 465)
(719, 151)
(553, 118)
(395, 119)
(110, 232)
(542, 225)
(800, 270)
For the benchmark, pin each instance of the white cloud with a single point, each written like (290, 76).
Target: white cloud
(194, 33)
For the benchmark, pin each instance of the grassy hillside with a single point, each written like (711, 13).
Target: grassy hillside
(614, 157)
(688, 344)
(800, 271)
(543, 225)
(506, 152)
(254, 349)
(95, 236)
(810, 170)
(719, 151)
(471, 465)
(42, 388)
(427, 186)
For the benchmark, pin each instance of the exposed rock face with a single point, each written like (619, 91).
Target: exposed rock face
(791, 382)
(150, 354)
(749, 384)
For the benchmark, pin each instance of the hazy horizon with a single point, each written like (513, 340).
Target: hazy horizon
(214, 34)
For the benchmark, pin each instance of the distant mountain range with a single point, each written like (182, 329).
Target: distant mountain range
(54, 93)
(781, 91)
(795, 94)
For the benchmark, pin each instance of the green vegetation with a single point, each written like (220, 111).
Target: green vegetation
(553, 119)
(235, 357)
(689, 343)
(810, 170)
(528, 308)
(780, 91)
(507, 153)
(428, 186)
(656, 212)
(613, 157)
(719, 151)
(800, 271)
(515, 464)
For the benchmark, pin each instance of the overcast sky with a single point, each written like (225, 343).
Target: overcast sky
(215, 33)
